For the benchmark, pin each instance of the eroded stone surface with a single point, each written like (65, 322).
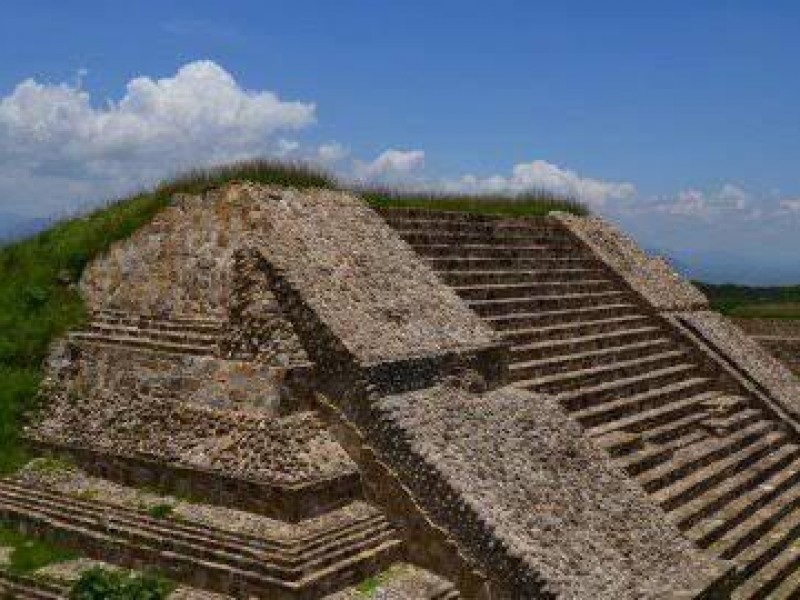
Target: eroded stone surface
(524, 474)
(400, 582)
(652, 277)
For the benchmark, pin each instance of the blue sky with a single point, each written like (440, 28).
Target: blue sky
(678, 120)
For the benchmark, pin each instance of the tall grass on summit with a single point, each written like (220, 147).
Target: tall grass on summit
(39, 300)
(528, 204)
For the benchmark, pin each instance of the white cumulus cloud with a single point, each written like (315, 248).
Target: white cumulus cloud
(390, 165)
(543, 175)
(54, 133)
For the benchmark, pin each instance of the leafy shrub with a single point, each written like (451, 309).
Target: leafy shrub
(102, 584)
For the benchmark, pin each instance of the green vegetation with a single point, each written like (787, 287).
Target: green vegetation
(532, 204)
(745, 301)
(160, 511)
(30, 554)
(102, 584)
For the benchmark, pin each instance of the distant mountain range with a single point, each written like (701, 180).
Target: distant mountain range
(13, 226)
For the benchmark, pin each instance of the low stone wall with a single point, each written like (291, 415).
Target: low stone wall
(651, 277)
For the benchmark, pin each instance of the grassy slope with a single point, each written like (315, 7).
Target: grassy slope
(744, 301)
(39, 301)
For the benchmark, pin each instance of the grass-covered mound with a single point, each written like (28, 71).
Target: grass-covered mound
(529, 204)
(747, 301)
(39, 300)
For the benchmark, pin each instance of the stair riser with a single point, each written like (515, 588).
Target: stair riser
(655, 484)
(690, 519)
(143, 344)
(594, 379)
(521, 337)
(621, 412)
(634, 465)
(759, 532)
(443, 265)
(540, 289)
(706, 484)
(532, 305)
(521, 353)
(145, 323)
(159, 335)
(465, 278)
(509, 324)
(495, 230)
(500, 253)
(430, 238)
(743, 513)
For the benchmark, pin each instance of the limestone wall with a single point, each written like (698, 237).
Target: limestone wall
(781, 337)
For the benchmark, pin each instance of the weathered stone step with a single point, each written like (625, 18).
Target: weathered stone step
(176, 323)
(153, 333)
(511, 323)
(653, 455)
(649, 421)
(738, 510)
(507, 238)
(143, 343)
(770, 471)
(559, 334)
(621, 443)
(682, 491)
(695, 457)
(614, 401)
(773, 536)
(779, 579)
(101, 536)
(443, 265)
(23, 587)
(507, 306)
(478, 277)
(297, 553)
(493, 251)
(578, 381)
(519, 290)
(549, 358)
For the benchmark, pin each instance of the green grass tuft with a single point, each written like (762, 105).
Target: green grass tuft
(30, 554)
(531, 204)
(104, 584)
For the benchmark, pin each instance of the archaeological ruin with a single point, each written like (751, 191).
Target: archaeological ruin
(281, 394)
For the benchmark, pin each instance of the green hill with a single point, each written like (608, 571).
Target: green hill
(745, 301)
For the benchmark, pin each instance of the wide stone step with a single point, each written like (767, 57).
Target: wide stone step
(552, 348)
(493, 251)
(509, 238)
(779, 579)
(649, 422)
(732, 514)
(445, 264)
(493, 308)
(773, 536)
(612, 402)
(611, 372)
(111, 533)
(477, 277)
(520, 290)
(178, 324)
(514, 322)
(563, 332)
(143, 343)
(153, 333)
(709, 476)
(495, 226)
(770, 472)
(697, 456)
(13, 586)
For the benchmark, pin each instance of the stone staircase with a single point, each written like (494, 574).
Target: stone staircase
(29, 588)
(718, 461)
(193, 336)
(196, 554)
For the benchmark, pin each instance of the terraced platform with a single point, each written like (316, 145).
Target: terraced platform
(718, 460)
